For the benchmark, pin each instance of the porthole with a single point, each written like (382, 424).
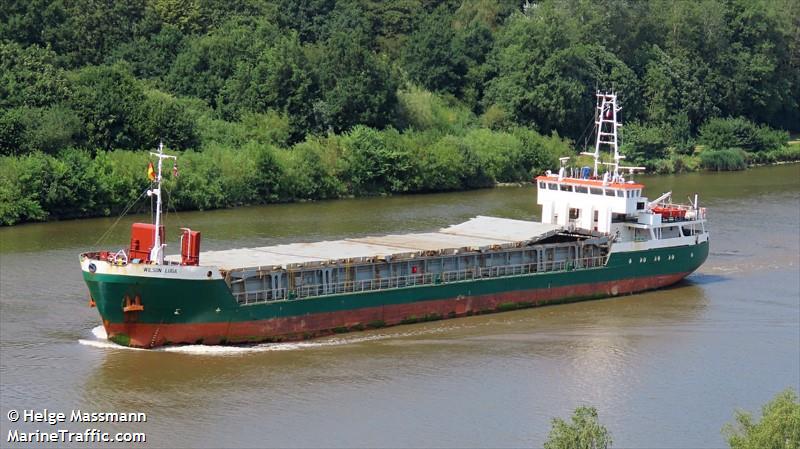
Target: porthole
(630, 261)
(691, 254)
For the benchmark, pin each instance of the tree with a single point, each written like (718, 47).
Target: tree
(281, 79)
(160, 117)
(85, 31)
(357, 87)
(564, 93)
(584, 432)
(543, 75)
(779, 427)
(678, 84)
(206, 63)
(433, 56)
(756, 67)
(108, 100)
(393, 23)
(24, 130)
(307, 17)
(151, 56)
(29, 76)
(373, 164)
(644, 143)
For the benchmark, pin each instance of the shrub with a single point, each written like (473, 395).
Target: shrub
(722, 160)
(373, 161)
(779, 426)
(583, 432)
(19, 197)
(788, 153)
(422, 110)
(499, 152)
(719, 133)
(160, 117)
(309, 171)
(495, 117)
(644, 144)
(540, 153)
(120, 177)
(442, 165)
(25, 130)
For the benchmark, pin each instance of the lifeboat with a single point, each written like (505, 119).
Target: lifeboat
(669, 212)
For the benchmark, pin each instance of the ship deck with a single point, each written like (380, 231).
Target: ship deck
(479, 233)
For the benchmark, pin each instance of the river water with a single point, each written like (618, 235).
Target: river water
(664, 369)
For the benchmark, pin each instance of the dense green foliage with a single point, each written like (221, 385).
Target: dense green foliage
(72, 183)
(779, 427)
(720, 160)
(324, 98)
(583, 432)
(738, 132)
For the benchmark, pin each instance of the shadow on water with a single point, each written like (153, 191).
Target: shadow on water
(702, 278)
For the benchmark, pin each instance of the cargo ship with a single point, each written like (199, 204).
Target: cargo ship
(598, 237)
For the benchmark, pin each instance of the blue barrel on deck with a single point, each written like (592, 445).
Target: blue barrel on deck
(585, 172)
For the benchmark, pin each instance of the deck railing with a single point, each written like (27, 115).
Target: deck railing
(413, 280)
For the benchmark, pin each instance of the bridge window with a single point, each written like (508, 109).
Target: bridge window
(541, 184)
(552, 186)
(610, 192)
(621, 193)
(566, 188)
(579, 189)
(596, 191)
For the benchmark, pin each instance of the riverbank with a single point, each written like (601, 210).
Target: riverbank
(723, 160)
(39, 187)
(362, 162)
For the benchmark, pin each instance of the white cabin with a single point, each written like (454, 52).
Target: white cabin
(587, 203)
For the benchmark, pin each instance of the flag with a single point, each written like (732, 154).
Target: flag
(175, 169)
(151, 173)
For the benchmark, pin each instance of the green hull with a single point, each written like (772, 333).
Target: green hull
(173, 302)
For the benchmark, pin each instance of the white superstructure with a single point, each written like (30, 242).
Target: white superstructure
(589, 199)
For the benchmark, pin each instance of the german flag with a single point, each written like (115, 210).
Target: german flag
(151, 173)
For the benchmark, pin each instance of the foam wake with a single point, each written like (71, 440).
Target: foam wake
(101, 341)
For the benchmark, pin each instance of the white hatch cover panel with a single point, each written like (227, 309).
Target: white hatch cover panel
(477, 233)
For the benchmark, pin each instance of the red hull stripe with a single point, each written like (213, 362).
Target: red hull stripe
(307, 326)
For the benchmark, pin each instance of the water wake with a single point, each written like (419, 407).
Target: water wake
(101, 341)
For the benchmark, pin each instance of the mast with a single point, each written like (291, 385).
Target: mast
(157, 252)
(607, 130)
